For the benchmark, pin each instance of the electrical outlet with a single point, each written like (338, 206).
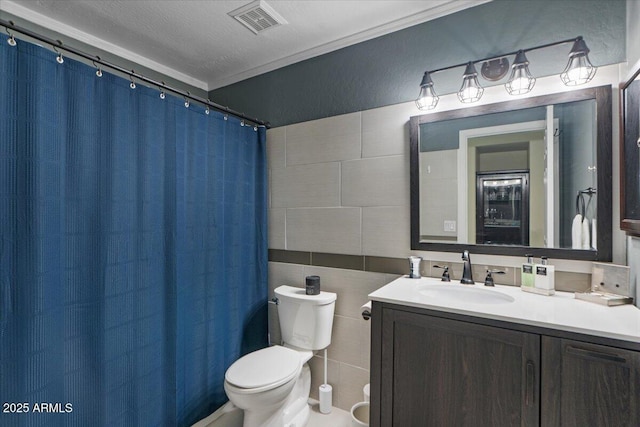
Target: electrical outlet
(450, 226)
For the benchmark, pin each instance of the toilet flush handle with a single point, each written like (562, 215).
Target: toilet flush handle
(274, 301)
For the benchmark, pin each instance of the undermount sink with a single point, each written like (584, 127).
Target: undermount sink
(463, 293)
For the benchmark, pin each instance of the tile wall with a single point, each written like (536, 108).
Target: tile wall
(339, 208)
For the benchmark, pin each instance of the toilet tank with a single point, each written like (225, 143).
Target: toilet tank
(305, 320)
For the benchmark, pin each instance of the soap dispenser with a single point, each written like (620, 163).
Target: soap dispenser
(528, 275)
(545, 277)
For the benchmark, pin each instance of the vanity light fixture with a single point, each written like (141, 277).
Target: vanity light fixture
(427, 99)
(520, 81)
(579, 70)
(470, 91)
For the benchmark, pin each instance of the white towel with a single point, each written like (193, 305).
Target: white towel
(576, 232)
(586, 242)
(594, 234)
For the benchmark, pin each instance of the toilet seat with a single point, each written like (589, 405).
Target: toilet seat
(264, 369)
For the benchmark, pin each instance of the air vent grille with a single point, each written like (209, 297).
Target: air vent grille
(258, 16)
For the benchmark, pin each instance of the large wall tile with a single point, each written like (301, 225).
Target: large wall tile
(349, 388)
(306, 186)
(381, 181)
(316, 364)
(325, 140)
(352, 287)
(276, 142)
(277, 228)
(331, 230)
(386, 231)
(349, 341)
(385, 130)
(281, 274)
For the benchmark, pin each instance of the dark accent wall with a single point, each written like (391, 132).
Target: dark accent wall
(387, 70)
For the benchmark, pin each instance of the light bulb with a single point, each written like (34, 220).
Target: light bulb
(470, 91)
(470, 94)
(521, 81)
(578, 72)
(579, 69)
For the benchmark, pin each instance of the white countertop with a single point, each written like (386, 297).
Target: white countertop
(560, 311)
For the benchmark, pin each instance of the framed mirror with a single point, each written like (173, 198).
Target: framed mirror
(630, 156)
(528, 176)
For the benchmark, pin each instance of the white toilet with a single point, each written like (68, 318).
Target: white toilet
(272, 385)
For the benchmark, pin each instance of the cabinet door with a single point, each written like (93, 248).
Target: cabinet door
(589, 385)
(441, 372)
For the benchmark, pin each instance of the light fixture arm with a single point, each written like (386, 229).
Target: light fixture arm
(489, 58)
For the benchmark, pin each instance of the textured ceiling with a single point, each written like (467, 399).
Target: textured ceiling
(198, 43)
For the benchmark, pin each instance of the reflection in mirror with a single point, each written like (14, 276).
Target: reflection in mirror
(504, 177)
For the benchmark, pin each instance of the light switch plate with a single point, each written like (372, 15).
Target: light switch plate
(450, 226)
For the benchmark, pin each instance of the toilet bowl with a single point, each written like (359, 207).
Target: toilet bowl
(272, 385)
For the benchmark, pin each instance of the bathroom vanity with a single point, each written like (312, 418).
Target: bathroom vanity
(446, 354)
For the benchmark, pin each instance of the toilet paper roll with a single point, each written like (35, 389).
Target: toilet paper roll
(366, 311)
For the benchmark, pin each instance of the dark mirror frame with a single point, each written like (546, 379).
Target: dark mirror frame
(602, 96)
(629, 153)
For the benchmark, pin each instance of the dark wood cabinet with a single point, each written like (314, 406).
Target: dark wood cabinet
(589, 385)
(442, 369)
(441, 372)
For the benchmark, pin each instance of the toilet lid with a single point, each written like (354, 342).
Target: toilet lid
(270, 366)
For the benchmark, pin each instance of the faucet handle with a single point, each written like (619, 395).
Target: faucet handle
(445, 273)
(488, 281)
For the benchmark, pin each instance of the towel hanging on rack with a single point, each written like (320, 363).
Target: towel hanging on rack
(576, 232)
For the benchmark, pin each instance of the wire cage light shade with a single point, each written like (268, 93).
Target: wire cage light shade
(520, 81)
(470, 91)
(427, 98)
(579, 69)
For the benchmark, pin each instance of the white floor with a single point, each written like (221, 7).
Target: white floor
(337, 417)
(229, 416)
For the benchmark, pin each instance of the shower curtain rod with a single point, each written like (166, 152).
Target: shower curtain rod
(57, 44)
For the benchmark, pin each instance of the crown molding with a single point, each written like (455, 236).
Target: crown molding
(451, 6)
(86, 38)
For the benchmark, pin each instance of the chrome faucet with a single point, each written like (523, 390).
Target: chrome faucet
(467, 274)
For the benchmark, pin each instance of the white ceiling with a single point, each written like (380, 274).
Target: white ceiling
(198, 43)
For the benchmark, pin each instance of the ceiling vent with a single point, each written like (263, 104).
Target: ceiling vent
(257, 16)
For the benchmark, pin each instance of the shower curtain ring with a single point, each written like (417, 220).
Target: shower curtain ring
(59, 59)
(98, 69)
(11, 41)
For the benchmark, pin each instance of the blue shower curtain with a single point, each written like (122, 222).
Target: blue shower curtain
(133, 251)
